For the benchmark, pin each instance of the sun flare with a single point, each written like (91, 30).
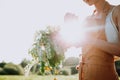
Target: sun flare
(72, 32)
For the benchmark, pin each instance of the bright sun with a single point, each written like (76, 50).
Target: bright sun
(72, 32)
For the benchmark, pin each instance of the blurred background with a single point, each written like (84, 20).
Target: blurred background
(19, 21)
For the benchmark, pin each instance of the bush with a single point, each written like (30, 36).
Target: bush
(24, 63)
(2, 64)
(35, 69)
(117, 65)
(20, 69)
(2, 72)
(71, 61)
(13, 69)
(64, 72)
(73, 70)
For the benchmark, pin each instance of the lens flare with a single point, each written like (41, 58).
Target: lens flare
(72, 32)
(75, 33)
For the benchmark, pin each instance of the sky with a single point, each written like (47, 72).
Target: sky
(20, 19)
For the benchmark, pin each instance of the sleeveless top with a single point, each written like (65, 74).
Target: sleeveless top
(111, 30)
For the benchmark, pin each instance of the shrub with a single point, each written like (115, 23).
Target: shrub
(2, 72)
(20, 69)
(64, 72)
(117, 65)
(71, 61)
(2, 64)
(24, 63)
(13, 69)
(73, 70)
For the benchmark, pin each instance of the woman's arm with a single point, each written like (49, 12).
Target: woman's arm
(118, 19)
(110, 48)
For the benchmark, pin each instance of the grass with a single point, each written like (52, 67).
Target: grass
(35, 77)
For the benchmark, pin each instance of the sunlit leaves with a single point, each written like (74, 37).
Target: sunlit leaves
(45, 51)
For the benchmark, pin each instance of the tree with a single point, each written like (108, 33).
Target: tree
(24, 62)
(2, 64)
(45, 51)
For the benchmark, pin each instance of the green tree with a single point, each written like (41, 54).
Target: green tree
(45, 51)
(24, 62)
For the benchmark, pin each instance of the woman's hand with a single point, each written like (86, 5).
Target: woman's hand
(70, 17)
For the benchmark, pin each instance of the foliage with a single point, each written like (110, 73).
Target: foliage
(24, 62)
(117, 65)
(20, 69)
(2, 72)
(35, 69)
(64, 72)
(71, 61)
(13, 69)
(2, 64)
(45, 51)
(73, 70)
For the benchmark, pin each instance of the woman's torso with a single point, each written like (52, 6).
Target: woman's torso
(97, 64)
(92, 54)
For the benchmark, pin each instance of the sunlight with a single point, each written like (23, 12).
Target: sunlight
(19, 23)
(72, 32)
(75, 33)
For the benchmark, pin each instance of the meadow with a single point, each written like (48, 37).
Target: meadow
(36, 77)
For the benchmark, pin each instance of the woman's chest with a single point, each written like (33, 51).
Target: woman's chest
(97, 32)
(96, 28)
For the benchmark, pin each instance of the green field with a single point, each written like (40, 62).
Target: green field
(35, 77)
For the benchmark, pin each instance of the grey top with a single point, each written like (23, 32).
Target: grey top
(111, 29)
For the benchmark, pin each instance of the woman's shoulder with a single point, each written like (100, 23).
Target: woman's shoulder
(116, 15)
(118, 7)
(117, 10)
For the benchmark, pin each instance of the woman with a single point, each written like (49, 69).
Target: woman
(102, 44)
